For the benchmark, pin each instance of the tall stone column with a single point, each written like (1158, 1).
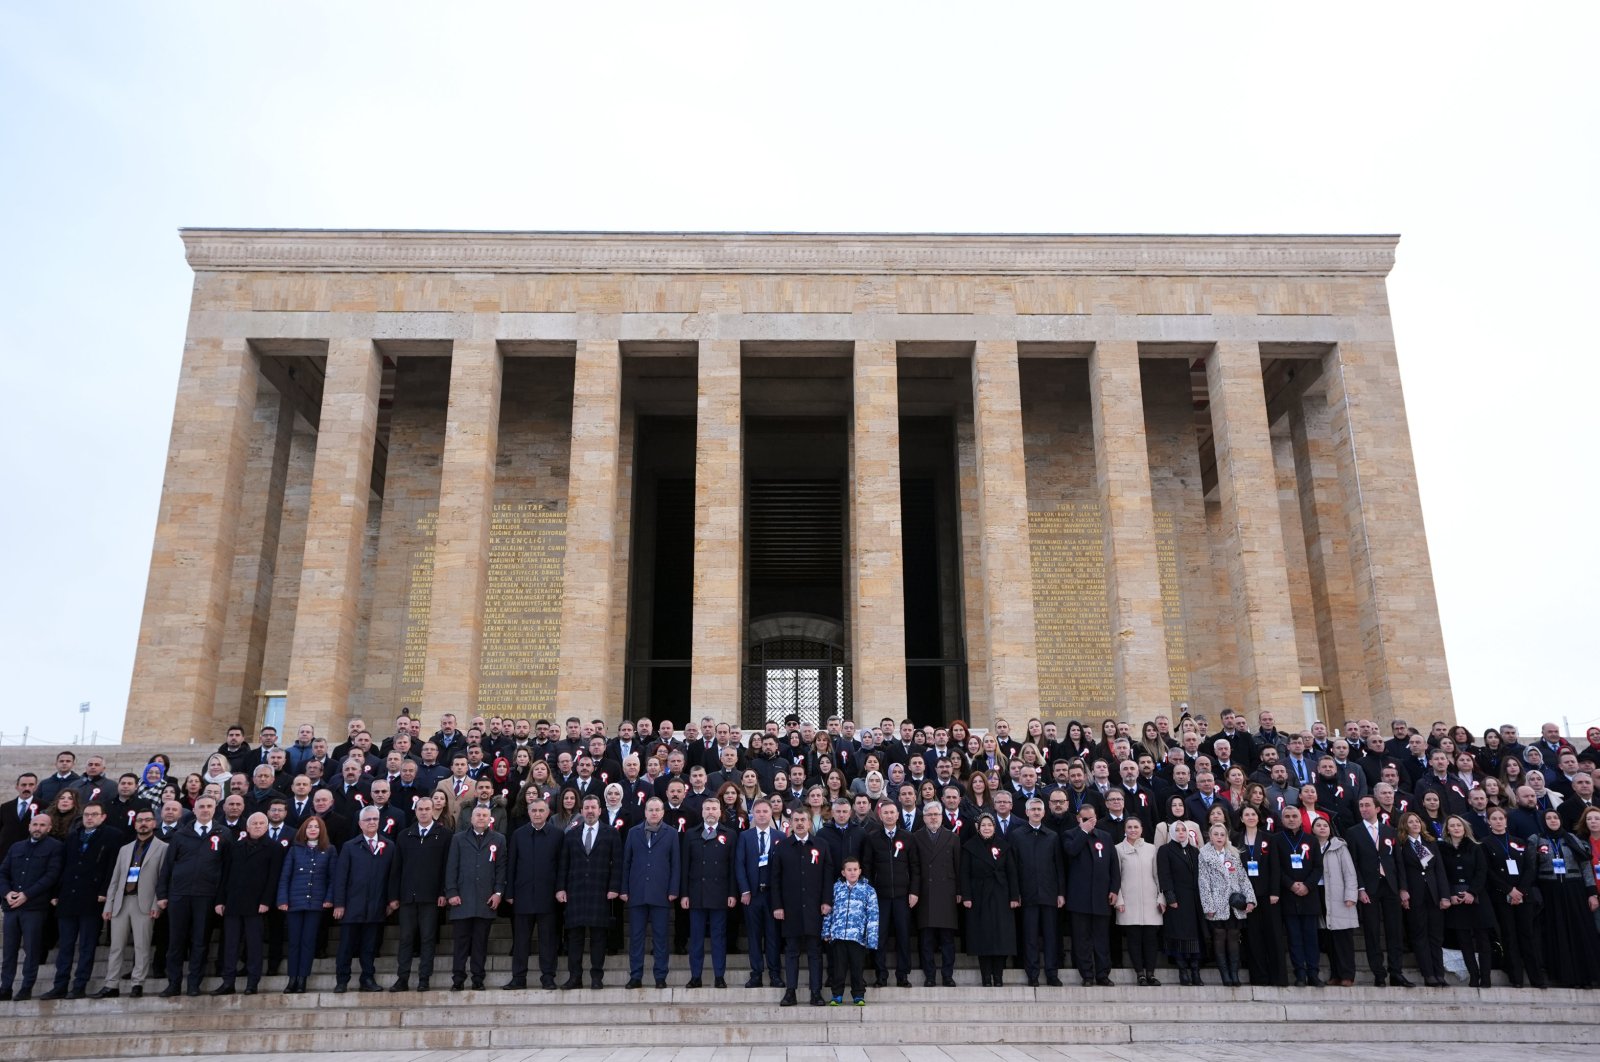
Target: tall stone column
(173, 692)
(1012, 664)
(588, 571)
(877, 600)
(717, 648)
(1327, 545)
(1403, 646)
(1133, 573)
(255, 559)
(330, 574)
(1269, 664)
(461, 537)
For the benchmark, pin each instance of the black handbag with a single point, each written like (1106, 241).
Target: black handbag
(1238, 901)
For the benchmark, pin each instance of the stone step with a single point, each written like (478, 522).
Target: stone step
(837, 1026)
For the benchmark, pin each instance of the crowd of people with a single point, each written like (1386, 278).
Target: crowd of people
(865, 851)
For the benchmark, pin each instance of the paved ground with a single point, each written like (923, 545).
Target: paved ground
(1310, 1052)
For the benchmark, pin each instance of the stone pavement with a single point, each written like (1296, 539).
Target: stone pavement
(1311, 1051)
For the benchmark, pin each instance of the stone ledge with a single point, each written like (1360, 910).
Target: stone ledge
(377, 251)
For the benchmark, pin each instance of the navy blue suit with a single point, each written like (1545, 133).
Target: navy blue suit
(651, 877)
(361, 887)
(754, 880)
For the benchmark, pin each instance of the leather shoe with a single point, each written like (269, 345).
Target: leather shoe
(948, 981)
(754, 981)
(661, 982)
(721, 983)
(634, 982)
(570, 983)
(108, 993)
(513, 984)
(1104, 982)
(1053, 982)
(401, 985)
(171, 990)
(341, 988)
(788, 1000)
(1399, 981)
(77, 993)
(25, 994)
(422, 984)
(371, 986)
(818, 1000)
(693, 982)
(457, 986)
(5, 995)
(597, 983)
(902, 982)
(136, 991)
(477, 985)
(54, 993)
(194, 991)
(249, 990)
(222, 990)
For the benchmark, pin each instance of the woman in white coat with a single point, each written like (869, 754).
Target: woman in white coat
(1339, 915)
(1223, 883)
(1139, 903)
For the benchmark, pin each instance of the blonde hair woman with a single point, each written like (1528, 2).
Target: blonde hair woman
(1226, 899)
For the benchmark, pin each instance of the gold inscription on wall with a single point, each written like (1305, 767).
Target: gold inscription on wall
(1072, 624)
(1172, 606)
(521, 611)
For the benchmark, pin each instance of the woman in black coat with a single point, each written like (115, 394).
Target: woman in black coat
(990, 894)
(1512, 881)
(1425, 895)
(1571, 947)
(1263, 930)
(1470, 919)
(1178, 876)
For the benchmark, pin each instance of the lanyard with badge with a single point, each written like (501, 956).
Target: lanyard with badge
(132, 884)
(1252, 866)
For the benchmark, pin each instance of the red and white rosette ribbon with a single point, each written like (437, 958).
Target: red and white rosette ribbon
(494, 850)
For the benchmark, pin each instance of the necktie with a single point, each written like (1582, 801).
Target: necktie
(422, 834)
(763, 842)
(1416, 846)
(588, 839)
(300, 809)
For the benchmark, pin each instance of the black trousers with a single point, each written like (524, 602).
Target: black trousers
(1041, 940)
(188, 938)
(246, 928)
(942, 942)
(418, 921)
(762, 930)
(1091, 945)
(1427, 938)
(522, 930)
(1521, 943)
(79, 934)
(357, 940)
(1142, 950)
(894, 923)
(471, 945)
(811, 944)
(1380, 925)
(597, 952)
(848, 955)
(1342, 954)
(24, 930)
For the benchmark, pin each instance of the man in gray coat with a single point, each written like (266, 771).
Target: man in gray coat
(131, 904)
(474, 881)
(650, 881)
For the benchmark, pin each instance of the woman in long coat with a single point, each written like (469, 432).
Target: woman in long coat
(1139, 903)
(1424, 894)
(1470, 919)
(1340, 891)
(990, 893)
(1178, 875)
(1223, 876)
(1570, 943)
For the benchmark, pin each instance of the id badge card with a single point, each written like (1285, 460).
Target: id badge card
(1559, 865)
(1512, 869)
(133, 874)
(1296, 861)
(1252, 868)
(762, 861)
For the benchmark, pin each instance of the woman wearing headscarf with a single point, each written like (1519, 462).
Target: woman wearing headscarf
(1567, 882)
(990, 894)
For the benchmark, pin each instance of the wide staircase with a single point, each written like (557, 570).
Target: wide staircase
(321, 1020)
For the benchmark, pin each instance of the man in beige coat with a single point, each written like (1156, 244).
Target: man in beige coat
(131, 904)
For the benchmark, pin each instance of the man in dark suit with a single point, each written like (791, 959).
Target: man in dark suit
(28, 876)
(474, 883)
(1041, 871)
(15, 813)
(1372, 848)
(588, 879)
(191, 878)
(935, 883)
(651, 875)
(88, 855)
(802, 891)
(535, 853)
(1093, 878)
(360, 900)
(886, 855)
(708, 891)
(249, 891)
(64, 778)
(416, 891)
(753, 876)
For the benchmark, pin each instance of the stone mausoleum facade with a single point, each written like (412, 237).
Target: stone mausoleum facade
(681, 474)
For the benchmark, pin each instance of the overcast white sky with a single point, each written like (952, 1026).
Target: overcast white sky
(1470, 131)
